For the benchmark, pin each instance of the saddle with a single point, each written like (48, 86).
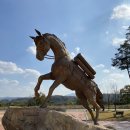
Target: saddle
(84, 66)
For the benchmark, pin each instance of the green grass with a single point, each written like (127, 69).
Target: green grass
(108, 115)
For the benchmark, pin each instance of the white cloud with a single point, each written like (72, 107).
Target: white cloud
(125, 27)
(113, 68)
(76, 51)
(13, 88)
(72, 54)
(113, 77)
(31, 72)
(99, 66)
(121, 12)
(105, 78)
(117, 76)
(106, 71)
(8, 83)
(32, 49)
(22, 85)
(9, 68)
(61, 89)
(118, 41)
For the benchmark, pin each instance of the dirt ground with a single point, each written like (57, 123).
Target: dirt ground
(1, 115)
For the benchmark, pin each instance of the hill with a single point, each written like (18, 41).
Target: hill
(56, 100)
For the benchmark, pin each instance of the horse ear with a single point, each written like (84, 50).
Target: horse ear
(32, 37)
(38, 32)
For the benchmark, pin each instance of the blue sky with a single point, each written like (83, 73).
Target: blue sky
(93, 28)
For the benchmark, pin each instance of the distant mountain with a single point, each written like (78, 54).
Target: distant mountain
(56, 99)
(14, 99)
(71, 94)
(8, 98)
(59, 98)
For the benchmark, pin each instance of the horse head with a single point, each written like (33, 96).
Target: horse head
(42, 45)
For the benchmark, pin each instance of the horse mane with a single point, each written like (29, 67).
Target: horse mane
(54, 36)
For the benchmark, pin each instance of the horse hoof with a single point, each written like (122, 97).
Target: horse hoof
(95, 123)
(37, 95)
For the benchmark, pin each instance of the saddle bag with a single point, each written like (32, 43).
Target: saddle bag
(85, 66)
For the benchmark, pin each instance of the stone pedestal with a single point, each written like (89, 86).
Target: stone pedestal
(42, 119)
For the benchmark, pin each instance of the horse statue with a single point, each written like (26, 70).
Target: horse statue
(99, 99)
(65, 71)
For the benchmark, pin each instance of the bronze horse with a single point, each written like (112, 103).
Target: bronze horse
(65, 71)
(99, 99)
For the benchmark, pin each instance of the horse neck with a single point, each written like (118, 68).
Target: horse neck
(58, 48)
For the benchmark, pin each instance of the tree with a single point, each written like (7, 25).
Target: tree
(122, 58)
(125, 94)
(115, 92)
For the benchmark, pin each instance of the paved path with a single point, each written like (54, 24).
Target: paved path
(116, 125)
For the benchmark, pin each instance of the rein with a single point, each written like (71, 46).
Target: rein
(49, 57)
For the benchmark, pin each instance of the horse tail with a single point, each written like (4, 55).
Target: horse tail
(99, 98)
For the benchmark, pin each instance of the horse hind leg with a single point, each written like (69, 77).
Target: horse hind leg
(97, 107)
(94, 104)
(101, 105)
(84, 102)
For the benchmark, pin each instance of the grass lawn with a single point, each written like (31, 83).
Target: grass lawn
(108, 115)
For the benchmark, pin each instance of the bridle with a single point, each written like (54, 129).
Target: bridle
(49, 57)
(46, 56)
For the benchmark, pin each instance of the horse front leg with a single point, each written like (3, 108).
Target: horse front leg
(56, 83)
(40, 79)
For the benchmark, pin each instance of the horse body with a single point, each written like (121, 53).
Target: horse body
(78, 80)
(65, 71)
(74, 78)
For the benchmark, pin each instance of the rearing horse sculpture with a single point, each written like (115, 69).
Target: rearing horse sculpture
(65, 71)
